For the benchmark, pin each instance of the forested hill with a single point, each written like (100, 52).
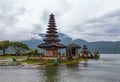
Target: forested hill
(105, 47)
(102, 46)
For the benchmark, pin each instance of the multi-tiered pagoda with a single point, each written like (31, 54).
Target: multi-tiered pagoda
(51, 42)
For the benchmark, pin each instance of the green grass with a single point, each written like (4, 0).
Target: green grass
(31, 61)
(23, 59)
(1, 57)
(38, 61)
(51, 62)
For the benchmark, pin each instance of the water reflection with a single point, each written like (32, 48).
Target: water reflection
(64, 73)
(85, 64)
(51, 73)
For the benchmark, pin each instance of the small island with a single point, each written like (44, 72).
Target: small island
(52, 48)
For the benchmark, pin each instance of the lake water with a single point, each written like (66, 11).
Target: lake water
(106, 69)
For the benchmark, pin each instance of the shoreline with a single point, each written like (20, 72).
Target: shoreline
(36, 62)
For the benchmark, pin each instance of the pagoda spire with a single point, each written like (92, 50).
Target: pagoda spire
(51, 36)
(52, 23)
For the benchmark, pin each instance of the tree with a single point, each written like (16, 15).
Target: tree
(19, 47)
(36, 52)
(13, 47)
(4, 45)
(33, 52)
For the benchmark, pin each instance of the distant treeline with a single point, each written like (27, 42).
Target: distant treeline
(15, 48)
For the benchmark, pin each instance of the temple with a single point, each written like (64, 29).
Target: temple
(52, 45)
(51, 42)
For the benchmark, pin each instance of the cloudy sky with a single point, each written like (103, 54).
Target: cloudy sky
(91, 20)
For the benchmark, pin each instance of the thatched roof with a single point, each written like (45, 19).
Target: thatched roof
(48, 45)
(85, 47)
(48, 35)
(73, 45)
(51, 39)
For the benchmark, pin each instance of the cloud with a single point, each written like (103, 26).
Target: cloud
(9, 19)
(105, 28)
(90, 20)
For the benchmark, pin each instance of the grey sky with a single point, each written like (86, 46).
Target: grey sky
(91, 20)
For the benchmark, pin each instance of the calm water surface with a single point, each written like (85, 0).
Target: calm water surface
(106, 69)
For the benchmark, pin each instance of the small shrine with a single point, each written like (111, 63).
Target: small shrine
(88, 54)
(51, 43)
(72, 50)
(85, 52)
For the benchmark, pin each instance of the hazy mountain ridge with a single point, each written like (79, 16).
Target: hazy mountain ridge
(106, 47)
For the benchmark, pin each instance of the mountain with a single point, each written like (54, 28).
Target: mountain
(80, 42)
(105, 47)
(32, 43)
